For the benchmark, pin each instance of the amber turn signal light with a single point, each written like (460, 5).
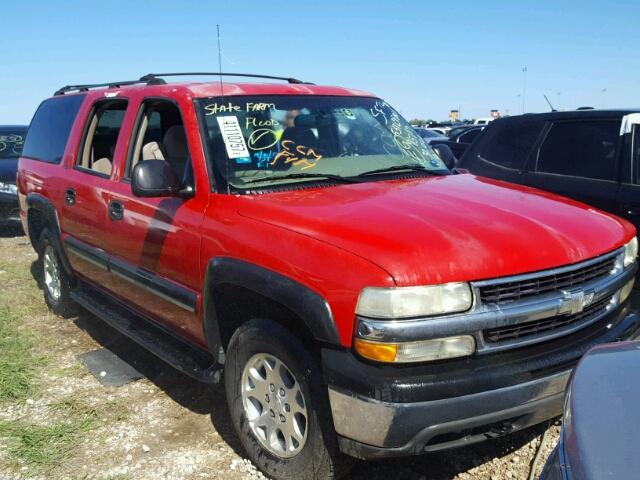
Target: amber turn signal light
(379, 352)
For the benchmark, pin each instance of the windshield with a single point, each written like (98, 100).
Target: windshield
(11, 143)
(257, 141)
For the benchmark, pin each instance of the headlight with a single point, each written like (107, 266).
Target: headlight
(630, 252)
(8, 188)
(420, 351)
(626, 290)
(407, 302)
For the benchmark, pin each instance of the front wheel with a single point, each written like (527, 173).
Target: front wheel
(279, 405)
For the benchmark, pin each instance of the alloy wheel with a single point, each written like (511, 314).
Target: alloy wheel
(52, 280)
(274, 405)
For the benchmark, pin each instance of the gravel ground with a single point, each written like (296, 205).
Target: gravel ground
(172, 427)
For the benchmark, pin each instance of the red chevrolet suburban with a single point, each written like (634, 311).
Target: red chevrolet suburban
(359, 296)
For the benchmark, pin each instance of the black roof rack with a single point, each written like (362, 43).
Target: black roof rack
(84, 88)
(156, 76)
(155, 79)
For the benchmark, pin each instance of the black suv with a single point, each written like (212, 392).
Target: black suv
(590, 155)
(11, 141)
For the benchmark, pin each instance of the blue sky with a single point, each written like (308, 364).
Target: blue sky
(425, 58)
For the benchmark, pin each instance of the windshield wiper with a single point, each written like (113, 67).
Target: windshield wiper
(325, 176)
(415, 167)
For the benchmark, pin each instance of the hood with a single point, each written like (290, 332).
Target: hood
(448, 228)
(8, 169)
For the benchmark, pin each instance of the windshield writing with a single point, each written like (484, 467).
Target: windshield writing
(11, 145)
(260, 140)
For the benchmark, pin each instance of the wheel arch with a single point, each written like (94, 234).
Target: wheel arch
(235, 291)
(42, 214)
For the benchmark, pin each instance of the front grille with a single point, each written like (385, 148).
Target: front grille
(535, 327)
(518, 289)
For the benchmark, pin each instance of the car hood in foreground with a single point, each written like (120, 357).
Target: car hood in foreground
(601, 434)
(447, 228)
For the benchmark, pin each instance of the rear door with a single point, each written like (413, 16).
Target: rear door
(580, 159)
(86, 190)
(629, 194)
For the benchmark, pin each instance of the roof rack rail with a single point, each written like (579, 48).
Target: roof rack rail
(155, 79)
(152, 76)
(85, 87)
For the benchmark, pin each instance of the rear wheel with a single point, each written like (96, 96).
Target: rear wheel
(279, 405)
(56, 284)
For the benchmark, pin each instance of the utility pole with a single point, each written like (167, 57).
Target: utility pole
(524, 87)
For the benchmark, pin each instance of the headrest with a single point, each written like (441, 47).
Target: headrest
(310, 120)
(175, 142)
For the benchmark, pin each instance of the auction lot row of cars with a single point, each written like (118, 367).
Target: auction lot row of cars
(356, 292)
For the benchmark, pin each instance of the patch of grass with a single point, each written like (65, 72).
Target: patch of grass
(44, 445)
(19, 299)
(47, 446)
(18, 366)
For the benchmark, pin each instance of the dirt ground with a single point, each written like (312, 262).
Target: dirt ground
(164, 426)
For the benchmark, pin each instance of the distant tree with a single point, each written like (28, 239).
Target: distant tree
(418, 122)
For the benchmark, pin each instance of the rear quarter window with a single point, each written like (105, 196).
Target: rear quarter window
(509, 144)
(49, 130)
(581, 149)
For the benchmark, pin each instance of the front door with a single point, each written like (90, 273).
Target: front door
(154, 243)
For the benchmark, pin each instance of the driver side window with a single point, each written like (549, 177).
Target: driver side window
(160, 135)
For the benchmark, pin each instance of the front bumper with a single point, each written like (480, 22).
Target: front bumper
(9, 208)
(382, 411)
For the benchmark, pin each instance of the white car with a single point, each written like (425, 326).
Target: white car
(483, 121)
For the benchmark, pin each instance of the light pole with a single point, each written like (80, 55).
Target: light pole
(524, 87)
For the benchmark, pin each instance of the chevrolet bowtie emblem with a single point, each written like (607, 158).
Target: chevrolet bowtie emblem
(574, 301)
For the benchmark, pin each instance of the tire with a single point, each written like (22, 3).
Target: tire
(316, 455)
(56, 283)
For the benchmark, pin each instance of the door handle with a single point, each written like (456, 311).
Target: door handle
(70, 196)
(116, 210)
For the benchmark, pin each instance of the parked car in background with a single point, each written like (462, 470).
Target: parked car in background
(429, 135)
(483, 121)
(601, 429)
(11, 142)
(459, 138)
(303, 245)
(590, 155)
(439, 130)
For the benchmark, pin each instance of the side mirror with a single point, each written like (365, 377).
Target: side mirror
(446, 155)
(155, 178)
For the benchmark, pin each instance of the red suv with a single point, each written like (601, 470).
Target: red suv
(360, 297)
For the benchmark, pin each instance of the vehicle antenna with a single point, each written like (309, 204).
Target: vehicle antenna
(551, 106)
(222, 100)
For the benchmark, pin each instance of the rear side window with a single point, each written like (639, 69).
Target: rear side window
(101, 136)
(50, 128)
(581, 149)
(509, 144)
